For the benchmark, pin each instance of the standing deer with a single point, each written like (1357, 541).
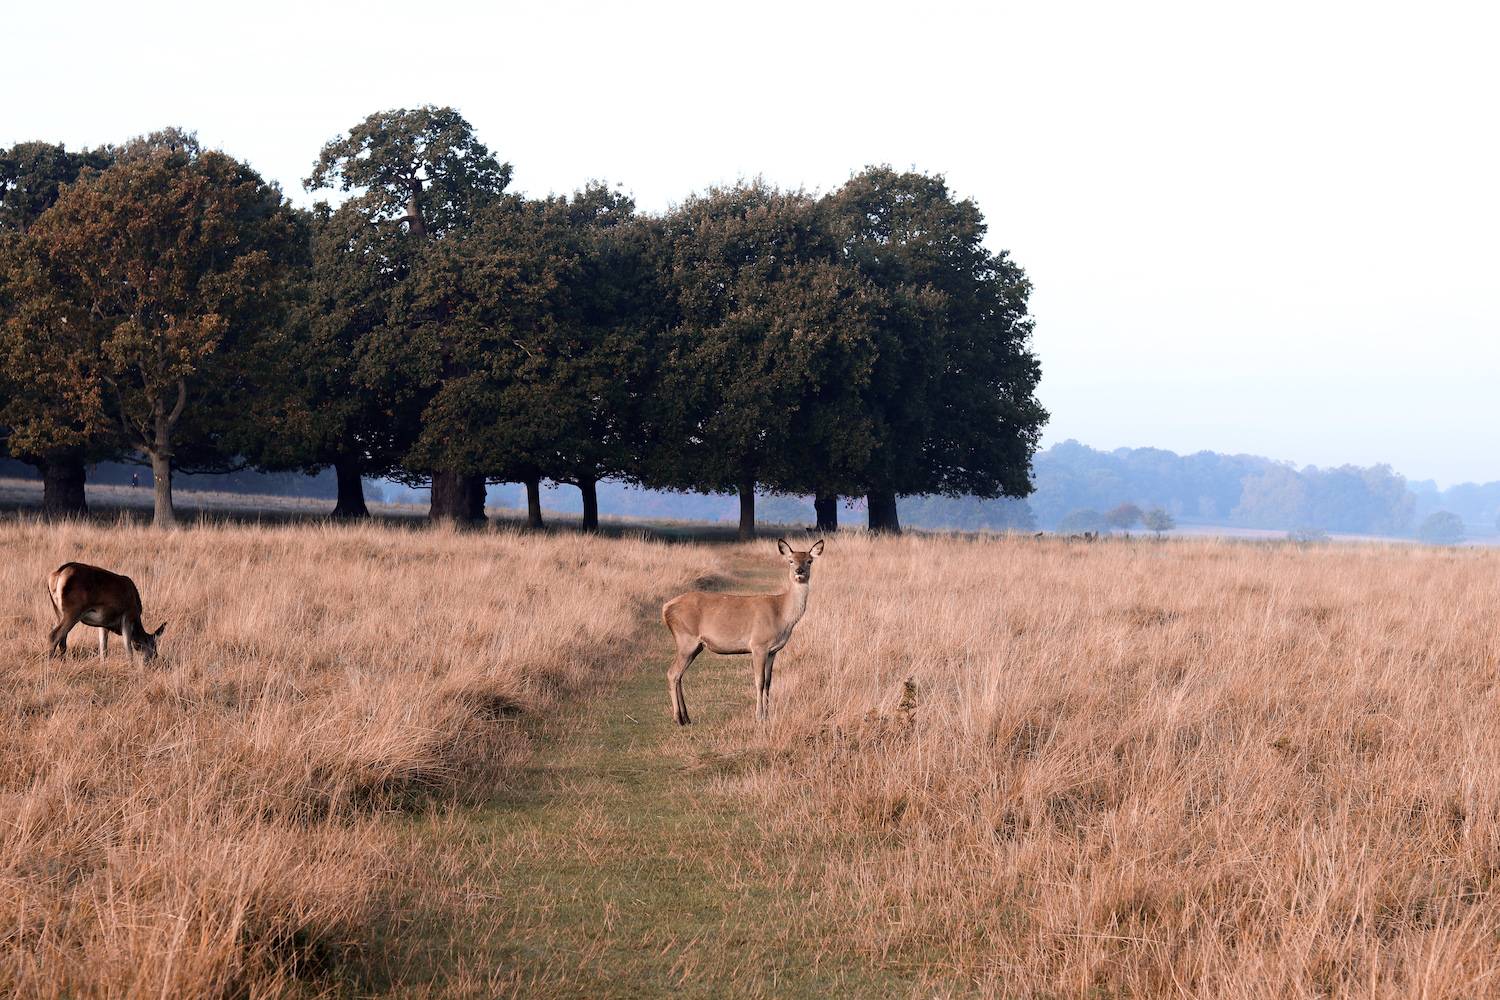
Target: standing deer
(758, 624)
(105, 600)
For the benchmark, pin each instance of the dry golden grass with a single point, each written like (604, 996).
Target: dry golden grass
(1133, 769)
(213, 824)
(1127, 769)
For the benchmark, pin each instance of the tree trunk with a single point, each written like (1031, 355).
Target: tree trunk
(351, 501)
(62, 485)
(475, 487)
(883, 517)
(534, 502)
(161, 456)
(450, 498)
(161, 482)
(826, 506)
(747, 510)
(589, 488)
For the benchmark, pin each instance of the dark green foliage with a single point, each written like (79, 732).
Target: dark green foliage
(436, 329)
(576, 387)
(770, 353)
(50, 413)
(331, 401)
(424, 167)
(32, 174)
(171, 264)
(952, 391)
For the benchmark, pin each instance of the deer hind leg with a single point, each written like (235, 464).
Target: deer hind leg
(103, 644)
(687, 650)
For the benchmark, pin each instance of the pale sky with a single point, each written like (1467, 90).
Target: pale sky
(1265, 227)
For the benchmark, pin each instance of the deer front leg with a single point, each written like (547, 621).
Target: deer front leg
(765, 682)
(759, 673)
(103, 644)
(127, 636)
(57, 639)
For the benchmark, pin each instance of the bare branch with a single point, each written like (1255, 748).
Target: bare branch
(137, 434)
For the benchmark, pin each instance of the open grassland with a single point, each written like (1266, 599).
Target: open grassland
(1194, 769)
(218, 823)
(391, 762)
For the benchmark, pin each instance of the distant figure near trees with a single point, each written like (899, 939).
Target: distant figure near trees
(107, 601)
(758, 624)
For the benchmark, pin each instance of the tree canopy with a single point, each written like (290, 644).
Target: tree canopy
(161, 300)
(172, 261)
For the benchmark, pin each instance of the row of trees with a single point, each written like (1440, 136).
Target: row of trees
(1121, 517)
(162, 300)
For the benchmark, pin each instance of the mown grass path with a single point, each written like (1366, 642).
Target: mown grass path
(614, 869)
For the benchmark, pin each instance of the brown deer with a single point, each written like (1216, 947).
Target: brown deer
(105, 600)
(758, 624)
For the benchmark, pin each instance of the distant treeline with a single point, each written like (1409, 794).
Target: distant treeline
(1248, 491)
(161, 300)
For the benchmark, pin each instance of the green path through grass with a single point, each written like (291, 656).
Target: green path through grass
(616, 869)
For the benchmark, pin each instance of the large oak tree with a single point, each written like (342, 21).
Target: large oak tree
(953, 391)
(177, 257)
(50, 413)
(575, 318)
(424, 172)
(768, 352)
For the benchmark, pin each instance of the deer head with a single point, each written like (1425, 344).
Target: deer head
(800, 562)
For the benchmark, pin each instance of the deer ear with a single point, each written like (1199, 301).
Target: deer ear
(783, 547)
(159, 631)
(817, 549)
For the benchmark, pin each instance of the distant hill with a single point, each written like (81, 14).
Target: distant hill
(1249, 491)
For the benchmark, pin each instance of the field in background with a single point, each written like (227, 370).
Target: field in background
(213, 824)
(1191, 768)
(110, 502)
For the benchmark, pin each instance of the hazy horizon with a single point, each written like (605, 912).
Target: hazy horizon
(1266, 230)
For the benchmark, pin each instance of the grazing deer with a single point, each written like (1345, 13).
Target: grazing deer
(758, 624)
(105, 600)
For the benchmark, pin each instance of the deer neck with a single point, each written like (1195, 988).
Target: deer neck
(794, 603)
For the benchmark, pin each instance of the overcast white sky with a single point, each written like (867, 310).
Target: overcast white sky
(1262, 227)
